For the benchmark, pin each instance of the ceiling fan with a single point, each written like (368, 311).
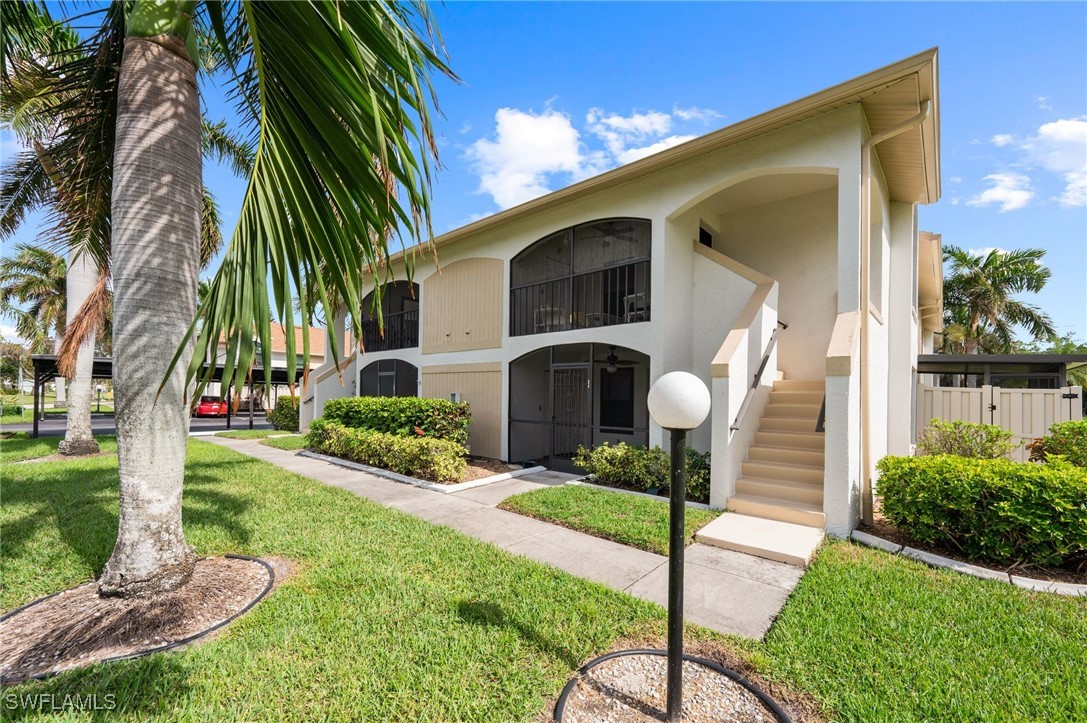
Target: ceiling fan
(614, 362)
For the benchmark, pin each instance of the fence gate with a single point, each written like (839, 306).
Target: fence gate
(1028, 413)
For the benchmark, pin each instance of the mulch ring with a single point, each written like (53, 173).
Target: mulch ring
(77, 627)
(633, 689)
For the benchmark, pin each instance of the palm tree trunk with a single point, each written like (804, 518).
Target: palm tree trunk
(61, 400)
(78, 437)
(156, 231)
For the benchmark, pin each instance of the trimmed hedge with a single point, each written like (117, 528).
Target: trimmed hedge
(438, 460)
(285, 414)
(965, 439)
(403, 416)
(990, 509)
(641, 468)
(1067, 439)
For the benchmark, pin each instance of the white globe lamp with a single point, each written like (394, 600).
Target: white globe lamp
(679, 400)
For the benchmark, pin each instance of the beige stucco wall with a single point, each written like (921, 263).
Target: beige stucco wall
(481, 386)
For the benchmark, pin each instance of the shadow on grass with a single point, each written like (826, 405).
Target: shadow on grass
(483, 613)
(80, 502)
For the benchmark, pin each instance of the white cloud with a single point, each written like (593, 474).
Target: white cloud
(527, 149)
(985, 251)
(702, 115)
(955, 179)
(10, 144)
(8, 333)
(1001, 139)
(1061, 147)
(1043, 102)
(1011, 190)
(633, 154)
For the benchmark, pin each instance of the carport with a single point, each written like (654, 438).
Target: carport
(45, 370)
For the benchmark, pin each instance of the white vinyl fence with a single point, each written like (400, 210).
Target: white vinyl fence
(1028, 413)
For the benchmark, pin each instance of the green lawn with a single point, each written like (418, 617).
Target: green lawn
(27, 418)
(250, 433)
(882, 638)
(391, 618)
(387, 618)
(22, 447)
(629, 519)
(291, 442)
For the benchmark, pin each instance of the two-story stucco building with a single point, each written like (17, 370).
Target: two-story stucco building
(778, 259)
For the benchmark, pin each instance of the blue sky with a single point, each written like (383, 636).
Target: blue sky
(555, 92)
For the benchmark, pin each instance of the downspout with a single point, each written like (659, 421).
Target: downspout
(866, 240)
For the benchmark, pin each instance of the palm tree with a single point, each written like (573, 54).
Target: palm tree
(32, 294)
(338, 97)
(979, 309)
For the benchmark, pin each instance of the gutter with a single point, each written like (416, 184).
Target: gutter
(866, 301)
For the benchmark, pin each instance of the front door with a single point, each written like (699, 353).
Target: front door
(571, 410)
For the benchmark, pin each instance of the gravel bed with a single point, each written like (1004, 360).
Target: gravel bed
(633, 689)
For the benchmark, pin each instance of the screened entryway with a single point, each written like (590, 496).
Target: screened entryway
(563, 397)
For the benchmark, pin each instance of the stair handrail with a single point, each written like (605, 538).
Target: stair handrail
(781, 326)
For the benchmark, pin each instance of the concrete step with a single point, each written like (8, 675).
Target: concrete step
(784, 472)
(781, 491)
(774, 540)
(805, 411)
(800, 513)
(799, 385)
(791, 440)
(787, 424)
(790, 397)
(785, 455)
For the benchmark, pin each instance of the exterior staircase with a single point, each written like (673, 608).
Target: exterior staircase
(782, 478)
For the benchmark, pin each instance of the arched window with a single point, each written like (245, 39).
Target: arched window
(594, 274)
(389, 378)
(400, 313)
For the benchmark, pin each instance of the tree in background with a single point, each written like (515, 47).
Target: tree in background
(32, 294)
(338, 98)
(1066, 344)
(980, 311)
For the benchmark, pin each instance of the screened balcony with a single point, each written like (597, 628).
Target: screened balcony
(400, 314)
(592, 275)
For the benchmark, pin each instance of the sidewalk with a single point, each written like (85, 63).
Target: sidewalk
(726, 591)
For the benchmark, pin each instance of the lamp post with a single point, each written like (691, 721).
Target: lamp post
(99, 388)
(678, 402)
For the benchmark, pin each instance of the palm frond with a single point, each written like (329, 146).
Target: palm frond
(24, 188)
(89, 320)
(211, 238)
(318, 219)
(221, 145)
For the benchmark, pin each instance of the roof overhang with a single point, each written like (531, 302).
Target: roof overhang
(910, 162)
(930, 281)
(1005, 364)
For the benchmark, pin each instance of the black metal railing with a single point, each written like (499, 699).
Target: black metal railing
(616, 295)
(781, 326)
(401, 332)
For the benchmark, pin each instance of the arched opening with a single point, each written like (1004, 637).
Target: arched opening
(590, 275)
(563, 397)
(389, 378)
(400, 314)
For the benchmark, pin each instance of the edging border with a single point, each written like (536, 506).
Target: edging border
(984, 573)
(582, 483)
(416, 482)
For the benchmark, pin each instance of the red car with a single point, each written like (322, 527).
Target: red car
(209, 407)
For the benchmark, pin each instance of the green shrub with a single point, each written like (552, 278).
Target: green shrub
(285, 414)
(404, 416)
(439, 460)
(11, 405)
(1067, 439)
(964, 439)
(642, 468)
(990, 509)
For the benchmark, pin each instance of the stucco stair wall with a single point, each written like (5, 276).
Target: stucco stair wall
(782, 478)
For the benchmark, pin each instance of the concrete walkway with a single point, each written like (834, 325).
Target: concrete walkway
(726, 591)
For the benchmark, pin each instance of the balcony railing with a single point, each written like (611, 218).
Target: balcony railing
(401, 332)
(618, 295)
